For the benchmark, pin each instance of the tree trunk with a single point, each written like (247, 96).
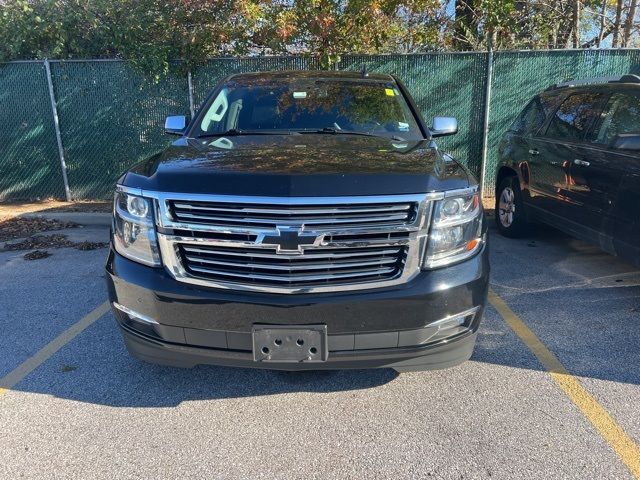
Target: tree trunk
(524, 35)
(603, 13)
(629, 24)
(575, 24)
(616, 24)
(564, 26)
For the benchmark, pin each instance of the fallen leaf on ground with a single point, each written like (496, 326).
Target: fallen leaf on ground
(19, 227)
(55, 240)
(36, 255)
(36, 241)
(91, 245)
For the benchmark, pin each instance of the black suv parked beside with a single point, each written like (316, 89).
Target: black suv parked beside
(572, 160)
(301, 221)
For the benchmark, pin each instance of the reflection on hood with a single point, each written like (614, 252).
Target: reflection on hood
(298, 162)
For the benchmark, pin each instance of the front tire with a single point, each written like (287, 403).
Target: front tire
(509, 211)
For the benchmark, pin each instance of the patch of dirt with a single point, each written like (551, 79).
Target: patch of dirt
(36, 255)
(85, 207)
(51, 241)
(15, 209)
(488, 203)
(18, 208)
(18, 227)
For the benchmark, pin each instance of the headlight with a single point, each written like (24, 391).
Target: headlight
(456, 230)
(134, 235)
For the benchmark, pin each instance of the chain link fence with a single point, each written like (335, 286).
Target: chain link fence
(29, 163)
(111, 116)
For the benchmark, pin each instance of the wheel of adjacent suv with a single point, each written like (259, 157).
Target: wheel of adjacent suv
(509, 212)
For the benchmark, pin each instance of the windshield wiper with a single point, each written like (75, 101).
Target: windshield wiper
(336, 131)
(235, 132)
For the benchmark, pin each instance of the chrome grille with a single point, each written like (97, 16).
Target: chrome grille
(310, 215)
(318, 266)
(292, 244)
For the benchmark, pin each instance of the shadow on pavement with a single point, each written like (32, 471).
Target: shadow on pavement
(594, 329)
(96, 368)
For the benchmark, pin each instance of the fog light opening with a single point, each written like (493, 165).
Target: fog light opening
(454, 324)
(135, 315)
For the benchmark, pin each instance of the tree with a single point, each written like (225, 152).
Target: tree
(152, 34)
(617, 24)
(327, 28)
(629, 24)
(466, 24)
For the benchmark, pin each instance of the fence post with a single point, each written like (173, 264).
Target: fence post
(191, 105)
(487, 111)
(56, 125)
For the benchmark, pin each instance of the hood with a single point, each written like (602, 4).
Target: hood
(298, 165)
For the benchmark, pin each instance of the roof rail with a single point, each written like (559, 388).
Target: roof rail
(597, 80)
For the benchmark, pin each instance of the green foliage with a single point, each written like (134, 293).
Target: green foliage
(328, 28)
(152, 34)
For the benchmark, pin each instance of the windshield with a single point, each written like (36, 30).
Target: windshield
(304, 106)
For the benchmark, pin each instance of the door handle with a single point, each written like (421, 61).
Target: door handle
(582, 163)
(533, 151)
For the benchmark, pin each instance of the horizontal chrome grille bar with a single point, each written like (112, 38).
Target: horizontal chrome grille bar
(292, 268)
(286, 221)
(297, 277)
(252, 215)
(294, 211)
(308, 255)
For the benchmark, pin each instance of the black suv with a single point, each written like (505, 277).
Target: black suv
(301, 221)
(572, 160)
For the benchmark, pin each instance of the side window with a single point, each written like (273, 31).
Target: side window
(620, 116)
(530, 119)
(574, 116)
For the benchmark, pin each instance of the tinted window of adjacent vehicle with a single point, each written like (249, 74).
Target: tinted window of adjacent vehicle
(533, 115)
(620, 116)
(308, 105)
(574, 116)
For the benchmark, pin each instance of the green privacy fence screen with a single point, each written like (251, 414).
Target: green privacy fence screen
(111, 117)
(29, 162)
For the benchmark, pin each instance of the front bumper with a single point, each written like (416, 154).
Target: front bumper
(367, 329)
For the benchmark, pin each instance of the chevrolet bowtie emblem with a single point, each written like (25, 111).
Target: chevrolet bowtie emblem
(289, 240)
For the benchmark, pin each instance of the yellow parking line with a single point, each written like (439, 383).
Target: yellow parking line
(25, 368)
(622, 444)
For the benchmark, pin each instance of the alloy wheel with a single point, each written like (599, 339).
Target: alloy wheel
(507, 207)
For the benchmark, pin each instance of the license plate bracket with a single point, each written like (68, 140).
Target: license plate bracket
(290, 343)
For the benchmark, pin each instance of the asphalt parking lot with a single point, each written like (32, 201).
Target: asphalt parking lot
(82, 408)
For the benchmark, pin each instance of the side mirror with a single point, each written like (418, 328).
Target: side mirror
(443, 126)
(175, 124)
(627, 141)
